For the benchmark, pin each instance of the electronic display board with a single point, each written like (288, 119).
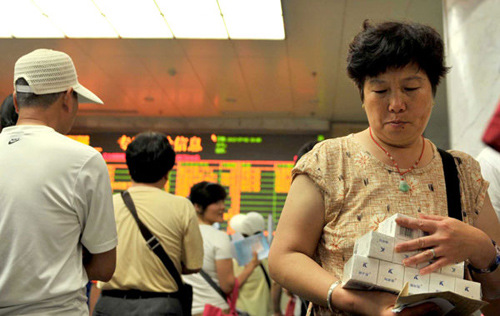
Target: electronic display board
(255, 170)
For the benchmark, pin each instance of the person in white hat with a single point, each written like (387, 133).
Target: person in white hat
(255, 295)
(55, 195)
(248, 224)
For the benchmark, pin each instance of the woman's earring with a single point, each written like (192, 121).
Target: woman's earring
(362, 105)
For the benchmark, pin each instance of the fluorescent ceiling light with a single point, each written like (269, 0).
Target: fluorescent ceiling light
(253, 19)
(222, 19)
(194, 18)
(135, 18)
(83, 19)
(26, 20)
(5, 22)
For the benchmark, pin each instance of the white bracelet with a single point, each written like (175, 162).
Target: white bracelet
(330, 291)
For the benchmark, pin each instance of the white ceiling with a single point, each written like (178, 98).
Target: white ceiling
(296, 85)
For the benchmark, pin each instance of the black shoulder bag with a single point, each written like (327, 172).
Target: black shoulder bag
(185, 290)
(452, 185)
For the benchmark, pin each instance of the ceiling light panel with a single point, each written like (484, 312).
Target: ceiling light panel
(135, 18)
(5, 21)
(81, 19)
(222, 19)
(25, 20)
(194, 18)
(253, 19)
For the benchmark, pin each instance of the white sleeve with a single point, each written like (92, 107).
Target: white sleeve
(94, 204)
(222, 246)
(491, 173)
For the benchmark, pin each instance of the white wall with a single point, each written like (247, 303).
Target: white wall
(472, 35)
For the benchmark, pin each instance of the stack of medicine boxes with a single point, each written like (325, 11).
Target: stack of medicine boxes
(376, 266)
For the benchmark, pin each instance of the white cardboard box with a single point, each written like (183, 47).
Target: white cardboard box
(389, 227)
(468, 288)
(425, 264)
(360, 273)
(390, 276)
(441, 283)
(417, 283)
(375, 245)
(398, 257)
(454, 270)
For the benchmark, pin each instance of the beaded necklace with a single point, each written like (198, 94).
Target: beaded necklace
(403, 185)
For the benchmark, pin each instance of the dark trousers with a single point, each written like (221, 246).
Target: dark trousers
(111, 306)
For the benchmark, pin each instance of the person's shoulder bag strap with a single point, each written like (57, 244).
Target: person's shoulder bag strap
(268, 281)
(213, 284)
(452, 185)
(152, 241)
(230, 299)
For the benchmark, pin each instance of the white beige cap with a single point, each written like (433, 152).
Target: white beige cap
(49, 71)
(248, 224)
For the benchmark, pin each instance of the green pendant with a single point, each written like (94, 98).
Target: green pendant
(403, 186)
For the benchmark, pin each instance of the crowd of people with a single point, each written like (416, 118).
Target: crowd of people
(64, 227)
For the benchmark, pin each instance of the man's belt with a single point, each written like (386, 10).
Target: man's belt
(136, 294)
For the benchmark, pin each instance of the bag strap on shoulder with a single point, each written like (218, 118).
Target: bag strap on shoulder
(452, 185)
(153, 242)
(213, 284)
(268, 281)
(230, 299)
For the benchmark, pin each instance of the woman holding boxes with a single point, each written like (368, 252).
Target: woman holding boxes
(346, 186)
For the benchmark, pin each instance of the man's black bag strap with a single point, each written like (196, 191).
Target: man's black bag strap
(452, 185)
(153, 242)
(213, 284)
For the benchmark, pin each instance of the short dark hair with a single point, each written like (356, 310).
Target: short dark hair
(205, 193)
(149, 157)
(26, 99)
(394, 45)
(8, 114)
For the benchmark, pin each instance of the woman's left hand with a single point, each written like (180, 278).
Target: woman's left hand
(449, 241)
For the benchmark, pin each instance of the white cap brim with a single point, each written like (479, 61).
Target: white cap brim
(85, 95)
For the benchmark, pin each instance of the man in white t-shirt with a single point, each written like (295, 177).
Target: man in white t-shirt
(55, 195)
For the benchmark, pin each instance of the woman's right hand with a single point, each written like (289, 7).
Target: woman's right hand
(376, 303)
(254, 262)
(249, 267)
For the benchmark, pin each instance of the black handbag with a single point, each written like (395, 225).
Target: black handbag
(185, 290)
